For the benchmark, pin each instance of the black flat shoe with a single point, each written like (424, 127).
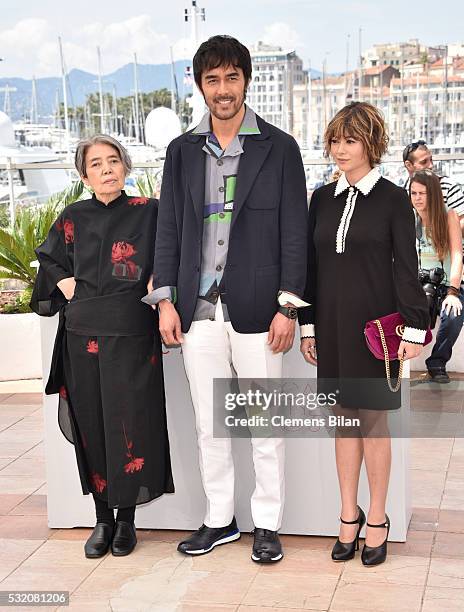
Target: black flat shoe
(344, 551)
(266, 546)
(99, 542)
(203, 540)
(124, 539)
(375, 555)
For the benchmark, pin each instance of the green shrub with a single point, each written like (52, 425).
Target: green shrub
(20, 305)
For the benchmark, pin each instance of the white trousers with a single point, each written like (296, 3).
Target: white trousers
(210, 349)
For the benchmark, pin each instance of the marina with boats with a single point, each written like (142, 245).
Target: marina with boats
(36, 151)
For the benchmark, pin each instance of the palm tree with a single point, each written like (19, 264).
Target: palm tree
(31, 227)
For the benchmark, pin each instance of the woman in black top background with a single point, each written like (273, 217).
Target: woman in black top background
(362, 265)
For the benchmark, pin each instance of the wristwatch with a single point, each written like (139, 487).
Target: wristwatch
(288, 311)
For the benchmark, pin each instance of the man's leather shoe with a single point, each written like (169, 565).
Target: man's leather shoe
(439, 375)
(266, 547)
(206, 538)
(124, 539)
(99, 542)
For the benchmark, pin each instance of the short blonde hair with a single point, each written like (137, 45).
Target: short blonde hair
(84, 145)
(363, 122)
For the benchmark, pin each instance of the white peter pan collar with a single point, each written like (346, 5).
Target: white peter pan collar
(365, 185)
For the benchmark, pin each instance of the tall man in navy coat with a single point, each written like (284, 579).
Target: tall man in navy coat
(229, 270)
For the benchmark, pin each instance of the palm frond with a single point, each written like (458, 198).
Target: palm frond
(5, 275)
(148, 185)
(31, 227)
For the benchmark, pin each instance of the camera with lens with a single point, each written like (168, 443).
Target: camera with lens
(433, 276)
(431, 281)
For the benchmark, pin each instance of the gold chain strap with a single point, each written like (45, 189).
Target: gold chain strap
(387, 361)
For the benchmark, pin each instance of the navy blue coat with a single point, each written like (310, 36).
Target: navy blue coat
(268, 234)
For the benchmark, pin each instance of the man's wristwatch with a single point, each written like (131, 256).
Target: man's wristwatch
(288, 311)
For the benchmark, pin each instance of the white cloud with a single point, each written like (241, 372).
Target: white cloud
(28, 32)
(22, 45)
(281, 34)
(182, 49)
(31, 46)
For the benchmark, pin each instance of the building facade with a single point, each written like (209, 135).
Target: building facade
(271, 93)
(398, 54)
(420, 90)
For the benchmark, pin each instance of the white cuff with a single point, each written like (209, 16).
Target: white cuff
(162, 293)
(308, 330)
(416, 336)
(289, 298)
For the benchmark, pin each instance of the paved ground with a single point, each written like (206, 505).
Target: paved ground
(424, 574)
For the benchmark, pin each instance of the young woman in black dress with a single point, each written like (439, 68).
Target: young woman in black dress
(107, 367)
(362, 266)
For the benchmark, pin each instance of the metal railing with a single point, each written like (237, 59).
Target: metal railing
(11, 167)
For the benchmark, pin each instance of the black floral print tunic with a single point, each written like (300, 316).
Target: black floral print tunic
(107, 363)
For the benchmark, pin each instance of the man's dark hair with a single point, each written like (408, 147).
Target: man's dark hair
(221, 51)
(412, 148)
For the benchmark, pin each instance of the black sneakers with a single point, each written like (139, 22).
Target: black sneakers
(266, 547)
(206, 538)
(439, 375)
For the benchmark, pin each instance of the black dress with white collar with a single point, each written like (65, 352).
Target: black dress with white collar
(362, 265)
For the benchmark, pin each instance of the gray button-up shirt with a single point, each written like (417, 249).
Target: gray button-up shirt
(220, 182)
(221, 171)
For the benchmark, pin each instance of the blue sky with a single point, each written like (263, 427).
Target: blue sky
(316, 29)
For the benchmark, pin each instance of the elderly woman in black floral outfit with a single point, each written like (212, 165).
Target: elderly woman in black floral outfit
(94, 269)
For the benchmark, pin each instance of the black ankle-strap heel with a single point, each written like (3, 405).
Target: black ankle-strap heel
(375, 555)
(344, 551)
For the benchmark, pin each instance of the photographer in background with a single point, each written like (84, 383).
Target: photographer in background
(439, 250)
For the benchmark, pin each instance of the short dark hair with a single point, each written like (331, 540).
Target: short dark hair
(221, 50)
(412, 148)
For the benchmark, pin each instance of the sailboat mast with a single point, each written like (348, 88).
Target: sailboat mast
(173, 84)
(309, 117)
(34, 114)
(100, 93)
(136, 96)
(56, 113)
(347, 66)
(417, 123)
(360, 66)
(194, 15)
(115, 111)
(6, 100)
(65, 99)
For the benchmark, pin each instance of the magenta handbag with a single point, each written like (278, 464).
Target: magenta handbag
(383, 338)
